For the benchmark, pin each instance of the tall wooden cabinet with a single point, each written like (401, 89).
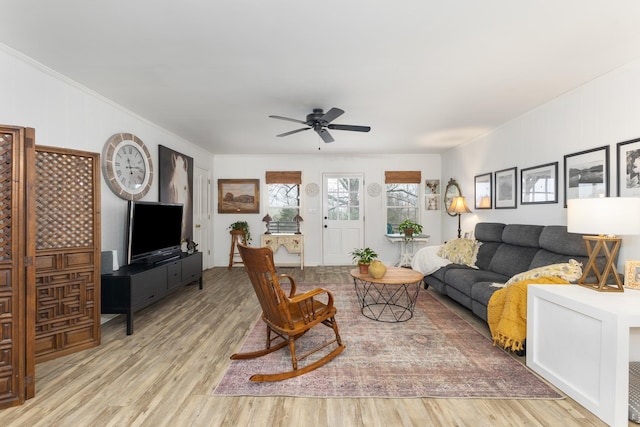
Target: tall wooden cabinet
(17, 251)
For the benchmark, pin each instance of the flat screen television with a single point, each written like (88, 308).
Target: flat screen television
(153, 231)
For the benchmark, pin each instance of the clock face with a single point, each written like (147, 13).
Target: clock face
(127, 167)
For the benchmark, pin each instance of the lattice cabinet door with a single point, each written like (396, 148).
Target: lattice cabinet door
(67, 251)
(17, 315)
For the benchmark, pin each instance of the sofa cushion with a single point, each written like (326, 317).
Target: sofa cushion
(464, 279)
(489, 231)
(570, 271)
(555, 238)
(461, 251)
(522, 235)
(485, 254)
(510, 260)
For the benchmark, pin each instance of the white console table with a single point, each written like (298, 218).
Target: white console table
(293, 243)
(407, 246)
(581, 341)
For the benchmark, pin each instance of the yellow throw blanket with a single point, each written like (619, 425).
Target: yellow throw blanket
(507, 312)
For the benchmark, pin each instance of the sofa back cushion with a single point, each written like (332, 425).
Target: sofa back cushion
(490, 234)
(519, 247)
(511, 259)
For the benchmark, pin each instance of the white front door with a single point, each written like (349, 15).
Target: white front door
(343, 217)
(202, 214)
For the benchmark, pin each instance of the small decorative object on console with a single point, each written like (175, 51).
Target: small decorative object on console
(632, 274)
(377, 269)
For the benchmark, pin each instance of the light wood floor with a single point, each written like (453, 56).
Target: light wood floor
(164, 374)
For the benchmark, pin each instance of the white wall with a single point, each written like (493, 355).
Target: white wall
(312, 167)
(65, 114)
(603, 112)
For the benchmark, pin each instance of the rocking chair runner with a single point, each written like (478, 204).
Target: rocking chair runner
(288, 317)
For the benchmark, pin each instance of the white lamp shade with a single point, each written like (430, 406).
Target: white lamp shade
(604, 216)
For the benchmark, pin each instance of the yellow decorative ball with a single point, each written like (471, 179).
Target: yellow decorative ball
(377, 269)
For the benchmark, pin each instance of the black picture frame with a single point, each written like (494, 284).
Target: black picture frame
(539, 184)
(176, 184)
(506, 182)
(586, 174)
(628, 153)
(483, 191)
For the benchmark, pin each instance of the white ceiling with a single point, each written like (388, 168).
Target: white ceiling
(424, 74)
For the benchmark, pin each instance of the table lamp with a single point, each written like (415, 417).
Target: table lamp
(606, 218)
(298, 219)
(267, 218)
(459, 206)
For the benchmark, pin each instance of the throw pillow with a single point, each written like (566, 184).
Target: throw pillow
(569, 271)
(461, 251)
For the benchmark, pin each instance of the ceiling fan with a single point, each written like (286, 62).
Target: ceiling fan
(320, 121)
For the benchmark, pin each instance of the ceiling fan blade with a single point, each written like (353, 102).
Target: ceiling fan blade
(350, 127)
(293, 131)
(332, 114)
(287, 118)
(325, 135)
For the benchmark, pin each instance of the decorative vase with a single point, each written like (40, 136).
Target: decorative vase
(377, 270)
(364, 268)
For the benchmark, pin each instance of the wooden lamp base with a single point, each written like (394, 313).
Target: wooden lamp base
(609, 246)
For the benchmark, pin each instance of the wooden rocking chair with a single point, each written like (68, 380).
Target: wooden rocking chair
(288, 317)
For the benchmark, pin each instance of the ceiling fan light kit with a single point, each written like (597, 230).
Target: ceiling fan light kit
(320, 121)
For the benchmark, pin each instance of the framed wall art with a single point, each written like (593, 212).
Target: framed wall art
(483, 191)
(238, 196)
(506, 188)
(632, 274)
(539, 184)
(629, 168)
(176, 184)
(586, 174)
(432, 194)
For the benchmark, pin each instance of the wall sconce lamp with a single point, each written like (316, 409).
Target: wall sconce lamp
(267, 218)
(459, 206)
(607, 217)
(298, 220)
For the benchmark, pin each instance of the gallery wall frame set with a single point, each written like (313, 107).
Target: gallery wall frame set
(586, 174)
(539, 184)
(628, 156)
(483, 191)
(506, 188)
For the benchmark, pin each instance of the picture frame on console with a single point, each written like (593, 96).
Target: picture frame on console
(506, 188)
(539, 184)
(586, 174)
(632, 274)
(483, 191)
(628, 162)
(238, 196)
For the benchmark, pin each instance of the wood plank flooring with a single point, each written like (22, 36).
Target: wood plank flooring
(164, 374)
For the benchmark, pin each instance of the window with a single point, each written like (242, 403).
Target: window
(284, 200)
(402, 198)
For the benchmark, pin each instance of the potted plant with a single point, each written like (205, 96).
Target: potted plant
(244, 226)
(363, 258)
(408, 228)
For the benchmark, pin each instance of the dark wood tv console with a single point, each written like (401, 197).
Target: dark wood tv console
(136, 286)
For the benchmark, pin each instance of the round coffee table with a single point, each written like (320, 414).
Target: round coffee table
(391, 298)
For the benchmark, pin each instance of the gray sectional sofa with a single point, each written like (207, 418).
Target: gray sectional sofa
(506, 250)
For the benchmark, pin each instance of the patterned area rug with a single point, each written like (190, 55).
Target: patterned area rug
(434, 354)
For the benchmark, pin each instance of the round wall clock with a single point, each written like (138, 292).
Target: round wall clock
(452, 190)
(127, 167)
